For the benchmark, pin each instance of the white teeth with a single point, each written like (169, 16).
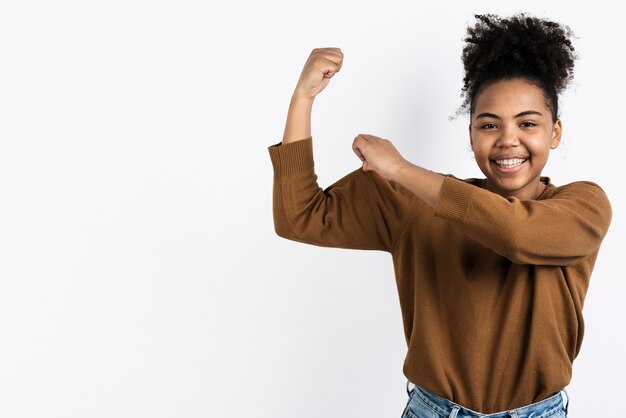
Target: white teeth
(513, 162)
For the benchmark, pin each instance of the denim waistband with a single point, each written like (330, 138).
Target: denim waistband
(450, 409)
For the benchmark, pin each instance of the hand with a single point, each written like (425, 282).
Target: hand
(322, 64)
(378, 155)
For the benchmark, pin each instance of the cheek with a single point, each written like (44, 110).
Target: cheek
(481, 151)
(542, 144)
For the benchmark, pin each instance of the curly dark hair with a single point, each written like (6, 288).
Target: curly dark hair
(537, 50)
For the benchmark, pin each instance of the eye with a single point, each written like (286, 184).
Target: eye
(488, 126)
(528, 124)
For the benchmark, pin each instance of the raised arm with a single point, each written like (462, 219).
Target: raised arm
(360, 211)
(322, 64)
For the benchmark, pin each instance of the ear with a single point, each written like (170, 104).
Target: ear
(557, 130)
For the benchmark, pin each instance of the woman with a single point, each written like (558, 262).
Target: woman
(491, 273)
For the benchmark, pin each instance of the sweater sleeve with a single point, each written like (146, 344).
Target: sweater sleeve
(560, 230)
(362, 210)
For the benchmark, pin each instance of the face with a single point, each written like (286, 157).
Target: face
(512, 133)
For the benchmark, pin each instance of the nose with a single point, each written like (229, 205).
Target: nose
(508, 137)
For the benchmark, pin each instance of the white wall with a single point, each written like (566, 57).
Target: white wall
(140, 274)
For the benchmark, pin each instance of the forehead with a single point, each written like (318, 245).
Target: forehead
(510, 97)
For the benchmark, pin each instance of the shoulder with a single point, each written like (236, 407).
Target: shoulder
(585, 196)
(581, 188)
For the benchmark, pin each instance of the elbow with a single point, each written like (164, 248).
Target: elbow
(281, 224)
(282, 231)
(283, 228)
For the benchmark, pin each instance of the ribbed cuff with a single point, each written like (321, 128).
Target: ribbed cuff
(293, 157)
(454, 199)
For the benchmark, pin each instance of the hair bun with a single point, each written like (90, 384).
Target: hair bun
(519, 46)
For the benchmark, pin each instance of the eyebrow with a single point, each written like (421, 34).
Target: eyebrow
(519, 115)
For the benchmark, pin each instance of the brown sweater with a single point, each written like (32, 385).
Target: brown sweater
(491, 288)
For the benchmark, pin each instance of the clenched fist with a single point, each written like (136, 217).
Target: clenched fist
(378, 154)
(322, 64)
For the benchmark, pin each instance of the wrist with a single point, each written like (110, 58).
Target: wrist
(301, 98)
(400, 171)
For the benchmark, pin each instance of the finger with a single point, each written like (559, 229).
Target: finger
(340, 63)
(358, 153)
(328, 68)
(369, 137)
(336, 58)
(326, 49)
(329, 51)
(358, 144)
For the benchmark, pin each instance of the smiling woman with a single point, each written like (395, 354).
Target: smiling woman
(491, 273)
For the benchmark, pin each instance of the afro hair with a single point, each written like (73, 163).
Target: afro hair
(537, 50)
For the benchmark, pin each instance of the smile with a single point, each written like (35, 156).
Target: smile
(510, 163)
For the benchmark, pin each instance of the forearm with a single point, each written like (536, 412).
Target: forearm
(298, 124)
(563, 227)
(425, 184)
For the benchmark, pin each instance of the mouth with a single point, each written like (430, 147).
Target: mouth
(509, 165)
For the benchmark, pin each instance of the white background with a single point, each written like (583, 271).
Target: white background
(140, 275)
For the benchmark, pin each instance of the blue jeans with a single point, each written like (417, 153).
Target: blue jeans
(424, 404)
